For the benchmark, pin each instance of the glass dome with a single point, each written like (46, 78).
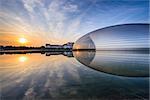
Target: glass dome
(126, 36)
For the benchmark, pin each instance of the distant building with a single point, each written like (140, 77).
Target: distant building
(53, 46)
(68, 45)
(47, 46)
(1, 47)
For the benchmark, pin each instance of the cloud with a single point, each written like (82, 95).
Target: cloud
(55, 21)
(70, 7)
(60, 21)
(31, 4)
(54, 17)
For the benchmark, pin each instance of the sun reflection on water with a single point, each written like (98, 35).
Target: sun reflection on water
(23, 59)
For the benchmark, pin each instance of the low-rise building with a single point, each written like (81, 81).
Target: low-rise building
(68, 45)
(1, 48)
(53, 46)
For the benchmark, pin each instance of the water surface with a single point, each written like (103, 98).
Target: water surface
(45, 76)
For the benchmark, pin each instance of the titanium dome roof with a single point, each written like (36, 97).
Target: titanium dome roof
(125, 36)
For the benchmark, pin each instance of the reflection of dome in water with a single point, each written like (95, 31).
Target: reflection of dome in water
(122, 63)
(85, 57)
(127, 36)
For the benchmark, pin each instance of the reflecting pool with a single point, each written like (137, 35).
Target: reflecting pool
(75, 75)
(125, 63)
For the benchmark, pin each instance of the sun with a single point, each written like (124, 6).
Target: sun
(22, 40)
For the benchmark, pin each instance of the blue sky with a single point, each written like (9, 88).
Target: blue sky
(60, 21)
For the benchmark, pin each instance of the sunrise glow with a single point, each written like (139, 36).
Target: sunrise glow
(22, 40)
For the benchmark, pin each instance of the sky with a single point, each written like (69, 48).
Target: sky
(61, 21)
